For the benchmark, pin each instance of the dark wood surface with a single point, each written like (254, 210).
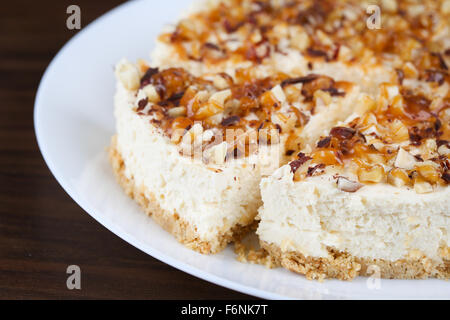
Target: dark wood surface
(42, 230)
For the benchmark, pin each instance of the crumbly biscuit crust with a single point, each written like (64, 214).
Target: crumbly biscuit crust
(344, 266)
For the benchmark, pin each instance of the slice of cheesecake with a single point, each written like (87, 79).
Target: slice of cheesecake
(171, 154)
(371, 197)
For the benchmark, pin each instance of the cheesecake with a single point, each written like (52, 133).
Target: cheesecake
(301, 120)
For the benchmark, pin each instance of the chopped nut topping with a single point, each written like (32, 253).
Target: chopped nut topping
(406, 146)
(373, 174)
(399, 135)
(256, 31)
(151, 93)
(177, 112)
(446, 177)
(142, 103)
(146, 78)
(312, 170)
(302, 158)
(230, 121)
(398, 177)
(178, 98)
(128, 75)
(421, 186)
(306, 79)
(324, 143)
(347, 185)
(405, 160)
(342, 132)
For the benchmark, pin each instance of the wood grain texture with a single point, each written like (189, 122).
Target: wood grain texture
(42, 230)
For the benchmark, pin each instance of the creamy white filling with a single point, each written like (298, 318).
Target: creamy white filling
(378, 221)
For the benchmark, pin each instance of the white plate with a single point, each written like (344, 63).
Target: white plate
(74, 123)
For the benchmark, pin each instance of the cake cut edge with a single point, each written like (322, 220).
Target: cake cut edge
(182, 230)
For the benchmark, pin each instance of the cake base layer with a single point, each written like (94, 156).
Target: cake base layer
(183, 231)
(344, 266)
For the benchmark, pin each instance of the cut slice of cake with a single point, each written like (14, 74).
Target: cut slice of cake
(171, 155)
(370, 198)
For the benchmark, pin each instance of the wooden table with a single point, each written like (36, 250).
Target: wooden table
(42, 230)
